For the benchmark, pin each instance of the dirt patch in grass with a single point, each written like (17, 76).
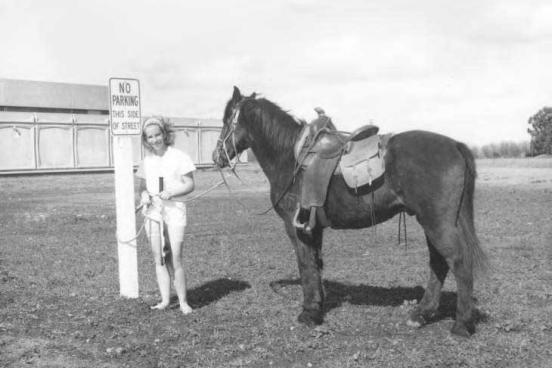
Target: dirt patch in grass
(60, 304)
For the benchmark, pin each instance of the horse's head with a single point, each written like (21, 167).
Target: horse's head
(233, 136)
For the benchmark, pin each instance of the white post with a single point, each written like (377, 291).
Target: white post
(126, 218)
(125, 118)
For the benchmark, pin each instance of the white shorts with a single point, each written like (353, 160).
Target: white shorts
(174, 232)
(171, 212)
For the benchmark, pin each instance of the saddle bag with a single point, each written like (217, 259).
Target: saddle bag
(362, 163)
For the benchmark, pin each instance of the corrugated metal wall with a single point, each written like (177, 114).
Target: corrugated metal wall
(39, 142)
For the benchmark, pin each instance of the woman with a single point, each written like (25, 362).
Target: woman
(166, 175)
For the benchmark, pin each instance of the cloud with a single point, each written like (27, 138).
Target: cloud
(514, 22)
(470, 68)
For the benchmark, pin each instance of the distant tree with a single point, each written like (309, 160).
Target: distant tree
(505, 149)
(525, 148)
(475, 151)
(509, 149)
(487, 151)
(541, 132)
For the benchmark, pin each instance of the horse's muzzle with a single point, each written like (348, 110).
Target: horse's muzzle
(219, 158)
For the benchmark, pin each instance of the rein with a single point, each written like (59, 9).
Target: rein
(190, 199)
(301, 154)
(298, 163)
(231, 135)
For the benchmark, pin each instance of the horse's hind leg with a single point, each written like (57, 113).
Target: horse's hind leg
(463, 272)
(450, 244)
(427, 308)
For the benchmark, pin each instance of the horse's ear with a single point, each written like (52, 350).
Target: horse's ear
(236, 96)
(253, 95)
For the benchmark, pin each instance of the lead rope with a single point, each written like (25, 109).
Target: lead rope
(142, 227)
(130, 241)
(373, 215)
(402, 216)
(162, 253)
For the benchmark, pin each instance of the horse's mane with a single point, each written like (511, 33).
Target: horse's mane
(278, 126)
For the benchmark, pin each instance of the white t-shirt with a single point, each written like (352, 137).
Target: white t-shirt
(171, 166)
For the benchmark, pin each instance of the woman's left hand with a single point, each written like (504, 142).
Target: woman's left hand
(165, 195)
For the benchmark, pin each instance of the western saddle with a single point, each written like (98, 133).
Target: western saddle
(321, 152)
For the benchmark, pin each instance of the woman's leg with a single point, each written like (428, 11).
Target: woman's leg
(176, 236)
(163, 278)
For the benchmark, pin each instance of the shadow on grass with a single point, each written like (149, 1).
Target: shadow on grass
(214, 290)
(337, 293)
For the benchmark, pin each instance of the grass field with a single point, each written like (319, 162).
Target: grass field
(60, 304)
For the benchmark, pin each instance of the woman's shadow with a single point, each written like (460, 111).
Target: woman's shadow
(213, 290)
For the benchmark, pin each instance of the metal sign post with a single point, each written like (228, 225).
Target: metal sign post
(125, 120)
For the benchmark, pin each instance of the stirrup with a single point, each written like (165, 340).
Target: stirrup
(296, 223)
(307, 226)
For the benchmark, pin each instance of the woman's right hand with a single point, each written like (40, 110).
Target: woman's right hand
(145, 199)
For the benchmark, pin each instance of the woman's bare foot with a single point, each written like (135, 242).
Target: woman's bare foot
(185, 309)
(160, 306)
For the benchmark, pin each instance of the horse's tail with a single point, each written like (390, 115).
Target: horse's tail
(469, 181)
(473, 252)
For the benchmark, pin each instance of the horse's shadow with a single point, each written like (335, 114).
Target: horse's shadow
(338, 293)
(214, 290)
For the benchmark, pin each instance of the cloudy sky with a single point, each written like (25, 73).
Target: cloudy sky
(475, 70)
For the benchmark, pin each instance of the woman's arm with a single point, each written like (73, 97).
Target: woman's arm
(186, 186)
(141, 192)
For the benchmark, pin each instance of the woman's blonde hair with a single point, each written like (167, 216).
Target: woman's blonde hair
(166, 127)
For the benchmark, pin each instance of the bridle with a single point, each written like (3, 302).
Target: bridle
(231, 135)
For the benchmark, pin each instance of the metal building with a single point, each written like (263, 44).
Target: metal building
(61, 127)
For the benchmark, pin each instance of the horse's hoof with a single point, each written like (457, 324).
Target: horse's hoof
(311, 318)
(419, 317)
(416, 319)
(415, 323)
(463, 330)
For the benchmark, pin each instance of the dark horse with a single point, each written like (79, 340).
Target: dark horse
(426, 174)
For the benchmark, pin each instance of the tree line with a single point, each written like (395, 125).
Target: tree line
(506, 149)
(540, 143)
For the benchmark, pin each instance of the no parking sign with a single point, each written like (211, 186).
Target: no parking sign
(124, 106)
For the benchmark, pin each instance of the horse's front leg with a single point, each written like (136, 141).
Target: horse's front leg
(309, 259)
